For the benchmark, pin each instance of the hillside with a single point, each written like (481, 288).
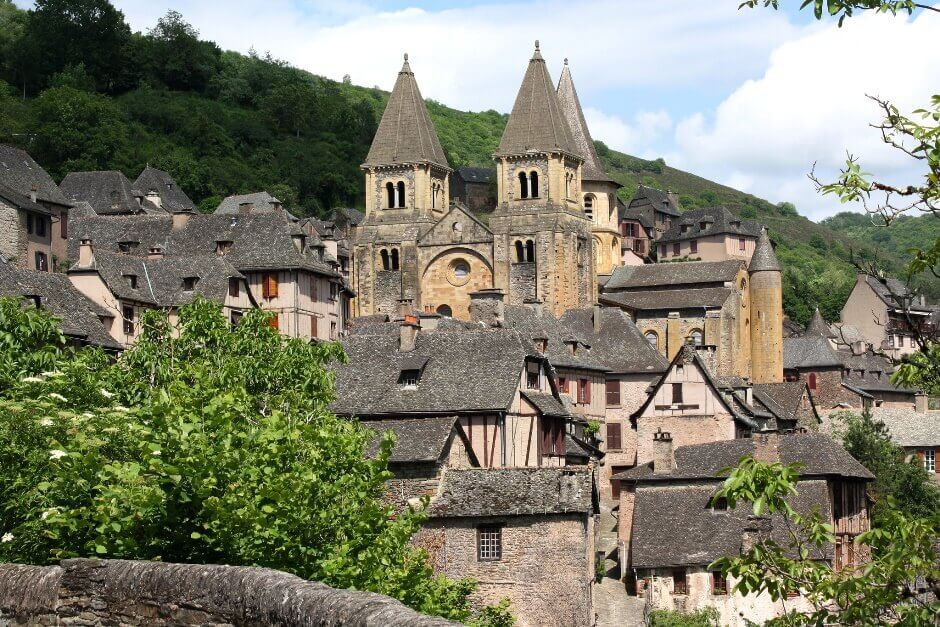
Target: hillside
(224, 123)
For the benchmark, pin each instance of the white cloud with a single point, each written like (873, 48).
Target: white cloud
(635, 137)
(810, 106)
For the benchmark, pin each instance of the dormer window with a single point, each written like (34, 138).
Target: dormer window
(684, 228)
(533, 378)
(189, 283)
(408, 379)
(131, 280)
(127, 246)
(222, 247)
(703, 225)
(736, 224)
(720, 505)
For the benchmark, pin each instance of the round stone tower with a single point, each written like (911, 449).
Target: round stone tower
(766, 291)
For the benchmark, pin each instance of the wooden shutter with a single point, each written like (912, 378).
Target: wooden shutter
(313, 327)
(676, 393)
(546, 423)
(614, 436)
(560, 437)
(233, 287)
(587, 391)
(612, 388)
(274, 323)
(269, 286)
(313, 288)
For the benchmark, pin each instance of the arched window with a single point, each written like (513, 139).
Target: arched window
(401, 193)
(529, 250)
(394, 259)
(523, 185)
(390, 192)
(445, 310)
(695, 337)
(652, 338)
(433, 196)
(385, 263)
(589, 206)
(534, 184)
(811, 380)
(520, 252)
(567, 186)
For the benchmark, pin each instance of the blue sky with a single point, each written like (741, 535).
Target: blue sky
(750, 98)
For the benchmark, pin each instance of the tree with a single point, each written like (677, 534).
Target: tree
(885, 591)
(205, 444)
(178, 58)
(847, 8)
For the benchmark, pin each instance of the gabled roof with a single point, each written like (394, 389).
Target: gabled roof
(660, 200)
(513, 492)
(174, 199)
(783, 399)
(20, 201)
(764, 259)
(21, 173)
(261, 202)
(649, 300)
(671, 275)
(406, 133)
(711, 221)
(894, 293)
(593, 169)
(542, 324)
(537, 123)
(417, 440)
(809, 351)
(80, 317)
(108, 192)
(818, 326)
(910, 428)
(618, 344)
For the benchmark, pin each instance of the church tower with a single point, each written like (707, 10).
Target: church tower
(542, 246)
(407, 191)
(766, 321)
(598, 190)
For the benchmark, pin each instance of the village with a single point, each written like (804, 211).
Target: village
(566, 374)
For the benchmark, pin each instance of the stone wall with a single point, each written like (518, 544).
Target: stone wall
(12, 240)
(94, 592)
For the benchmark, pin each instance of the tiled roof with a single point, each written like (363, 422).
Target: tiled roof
(406, 133)
(261, 202)
(659, 513)
(910, 428)
(764, 259)
(817, 326)
(711, 221)
(108, 192)
(593, 169)
(21, 173)
(700, 273)
(618, 344)
(465, 371)
(782, 399)
(547, 404)
(20, 201)
(416, 439)
(79, 316)
(709, 297)
(532, 325)
(894, 293)
(537, 123)
(659, 199)
(636, 215)
(809, 351)
(513, 492)
(174, 199)
(818, 454)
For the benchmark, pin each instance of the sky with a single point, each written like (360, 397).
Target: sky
(749, 98)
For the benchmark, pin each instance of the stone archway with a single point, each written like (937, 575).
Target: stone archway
(450, 277)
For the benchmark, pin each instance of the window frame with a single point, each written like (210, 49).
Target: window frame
(614, 436)
(677, 398)
(489, 542)
(129, 323)
(680, 575)
(612, 392)
(719, 583)
(41, 259)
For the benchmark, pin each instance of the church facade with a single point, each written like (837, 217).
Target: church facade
(552, 229)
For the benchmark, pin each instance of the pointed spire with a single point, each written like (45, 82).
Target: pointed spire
(764, 259)
(406, 133)
(571, 108)
(536, 122)
(817, 325)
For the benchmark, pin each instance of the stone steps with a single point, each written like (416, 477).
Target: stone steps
(613, 607)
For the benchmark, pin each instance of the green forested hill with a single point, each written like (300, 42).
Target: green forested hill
(223, 123)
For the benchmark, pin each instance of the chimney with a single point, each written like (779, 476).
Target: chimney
(755, 529)
(920, 403)
(487, 307)
(155, 252)
(664, 459)
(858, 347)
(33, 192)
(673, 199)
(86, 254)
(408, 333)
(406, 307)
(181, 219)
(766, 447)
(596, 317)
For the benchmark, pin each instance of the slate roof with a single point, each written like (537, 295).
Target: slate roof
(513, 492)
(817, 326)
(79, 315)
(532, 325)
(910, 428)
(537, 123)
(818, 454)
(20, 173)
(174, 199)
(893, 293)
(477, 175)
(417, 440)
(406, 133)
(593, 169)
(261, 202)
(465, 371)
(782, 399)
(651, 275)
(20, 201)
(709, 297)
(809, 351)
(637, 215)
(261, 241)
(351, 216)
(764, 259)
(705, 534)
(659, 199)
(547, 404)
(618, 345)
(716, 221)
(108, 192)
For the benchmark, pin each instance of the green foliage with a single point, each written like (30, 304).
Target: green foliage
(899, 484)
(204, 444)
(846, 8)
(592, 428)
(884, 591)
(706, 617)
